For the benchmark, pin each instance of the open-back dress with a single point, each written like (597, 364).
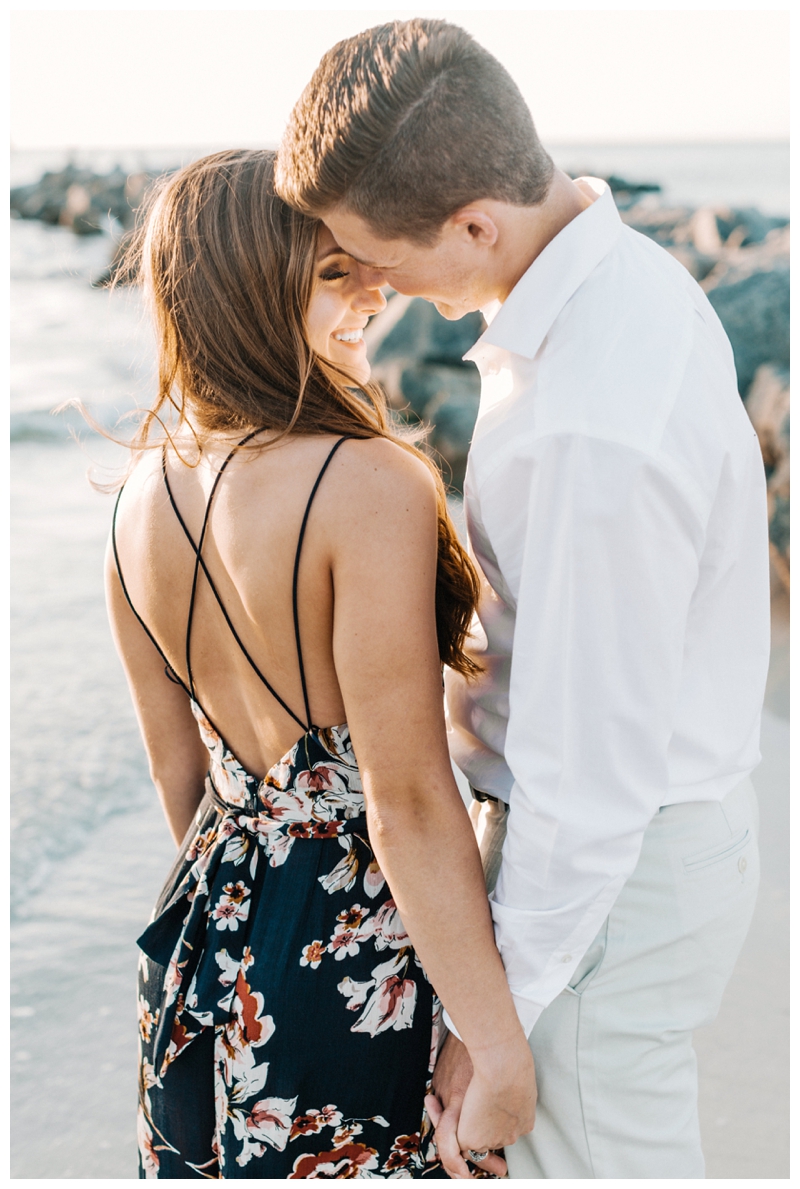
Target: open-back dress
(287, 1028)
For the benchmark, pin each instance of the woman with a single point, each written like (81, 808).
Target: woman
(283, 561)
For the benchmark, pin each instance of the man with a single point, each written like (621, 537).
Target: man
(615, 500)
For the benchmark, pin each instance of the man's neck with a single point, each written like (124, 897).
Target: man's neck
(527, 230)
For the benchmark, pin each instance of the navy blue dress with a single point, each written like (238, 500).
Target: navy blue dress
(287, 1028)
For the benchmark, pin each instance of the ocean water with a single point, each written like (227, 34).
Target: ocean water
(75, 752)
(738, 175)
(747, 174)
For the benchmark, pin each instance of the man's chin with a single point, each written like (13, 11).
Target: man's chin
(450, 312)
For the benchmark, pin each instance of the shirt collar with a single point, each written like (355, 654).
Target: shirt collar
(523, 320)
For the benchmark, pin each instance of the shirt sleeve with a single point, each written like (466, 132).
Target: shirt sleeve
(600, 545)
(476, 711)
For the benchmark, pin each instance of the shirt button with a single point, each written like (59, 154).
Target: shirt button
(567, 958)
(743, 864)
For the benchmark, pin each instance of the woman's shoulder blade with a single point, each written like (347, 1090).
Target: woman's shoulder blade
(378, 478)
(385, 466)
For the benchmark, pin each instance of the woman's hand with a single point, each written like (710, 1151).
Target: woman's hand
(485, 1105)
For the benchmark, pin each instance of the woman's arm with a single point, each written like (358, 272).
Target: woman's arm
(384, 568)
(178, 757)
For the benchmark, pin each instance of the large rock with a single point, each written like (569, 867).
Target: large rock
(743, 227)
(767, 403)
(82, 200)
(424, 335)
(626, 192)
(755, 314)
(416, 355)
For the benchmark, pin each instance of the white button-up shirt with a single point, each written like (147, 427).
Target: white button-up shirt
(615, 501)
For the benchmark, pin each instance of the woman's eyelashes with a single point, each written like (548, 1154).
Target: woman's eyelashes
(333, 274)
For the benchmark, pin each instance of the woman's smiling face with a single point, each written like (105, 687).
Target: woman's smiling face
(340, 308)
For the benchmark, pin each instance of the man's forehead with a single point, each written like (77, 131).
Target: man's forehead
(356, 238)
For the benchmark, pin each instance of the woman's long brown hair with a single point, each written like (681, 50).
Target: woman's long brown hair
(229, 270)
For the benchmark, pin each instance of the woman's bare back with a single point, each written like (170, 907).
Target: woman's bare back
(249, 549)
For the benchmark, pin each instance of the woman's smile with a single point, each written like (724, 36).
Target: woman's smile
(340, 308)
(350, 336)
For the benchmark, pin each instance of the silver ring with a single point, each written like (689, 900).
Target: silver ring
(476, 1157)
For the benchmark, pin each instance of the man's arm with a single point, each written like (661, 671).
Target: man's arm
(600, 546)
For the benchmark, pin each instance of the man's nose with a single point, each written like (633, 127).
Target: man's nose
(371, 278)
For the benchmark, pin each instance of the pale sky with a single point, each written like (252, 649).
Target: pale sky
(98, 78)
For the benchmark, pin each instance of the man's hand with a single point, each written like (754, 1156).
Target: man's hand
(451, 1080)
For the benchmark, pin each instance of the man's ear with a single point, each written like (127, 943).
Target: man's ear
(478, 224)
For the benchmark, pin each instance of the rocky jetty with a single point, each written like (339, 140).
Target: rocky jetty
(86, 203)
(740, 257)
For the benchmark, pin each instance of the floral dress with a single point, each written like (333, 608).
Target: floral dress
(287, 1028)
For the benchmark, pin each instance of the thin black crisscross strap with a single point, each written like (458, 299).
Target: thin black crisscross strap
(170, 672)
(200, 564)
(325, 466)
(197, 548)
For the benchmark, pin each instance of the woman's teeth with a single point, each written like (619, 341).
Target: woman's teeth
(349, 336)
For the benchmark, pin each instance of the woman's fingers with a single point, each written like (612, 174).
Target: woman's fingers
(448, 1147)
(434, 1108)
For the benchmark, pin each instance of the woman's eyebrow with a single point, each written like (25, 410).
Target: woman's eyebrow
(341, 252)
(337, 251)
(334, 251)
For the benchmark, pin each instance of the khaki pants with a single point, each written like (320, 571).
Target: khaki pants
(615, 1067)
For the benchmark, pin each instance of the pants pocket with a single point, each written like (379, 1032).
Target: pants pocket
(696, 863)
(590, 963)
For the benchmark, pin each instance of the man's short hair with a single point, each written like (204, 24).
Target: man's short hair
(404, 125)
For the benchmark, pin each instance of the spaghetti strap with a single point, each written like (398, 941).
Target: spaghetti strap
(198, 548)
(324, 468)
(170, 672)
(200, 564)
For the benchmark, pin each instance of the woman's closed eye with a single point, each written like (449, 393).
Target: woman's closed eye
(332, 274)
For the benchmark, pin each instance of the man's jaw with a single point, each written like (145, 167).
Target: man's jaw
(450, 310)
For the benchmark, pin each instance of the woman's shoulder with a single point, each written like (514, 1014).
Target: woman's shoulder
(388, 462)
(142, 478)
(379, 486)
(379, 474)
